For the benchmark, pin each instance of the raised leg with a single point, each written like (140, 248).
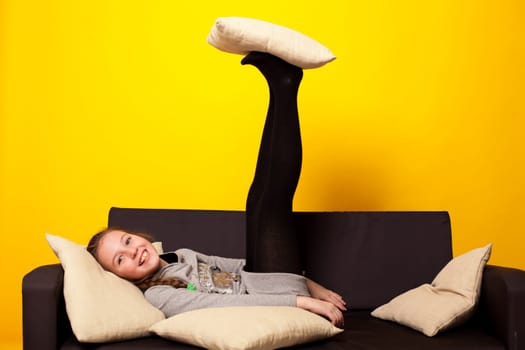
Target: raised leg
(272, 241)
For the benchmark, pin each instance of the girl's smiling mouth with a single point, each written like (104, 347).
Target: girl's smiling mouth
(143, 257)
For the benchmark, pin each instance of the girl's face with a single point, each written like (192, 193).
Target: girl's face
(127, 255)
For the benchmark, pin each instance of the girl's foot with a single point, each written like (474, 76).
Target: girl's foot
(278, 72)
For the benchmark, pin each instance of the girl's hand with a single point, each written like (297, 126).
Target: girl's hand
(319, 292)
(322, 308)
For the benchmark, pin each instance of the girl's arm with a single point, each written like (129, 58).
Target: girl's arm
(319, 292)
(172, 301)
(322, 308)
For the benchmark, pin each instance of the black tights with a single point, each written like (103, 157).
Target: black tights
(272, 243)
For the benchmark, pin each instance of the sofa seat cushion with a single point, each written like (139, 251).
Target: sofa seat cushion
(364, 332)
(150, 343)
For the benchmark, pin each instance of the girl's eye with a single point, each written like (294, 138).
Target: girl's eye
(128, 240)
(119, 260)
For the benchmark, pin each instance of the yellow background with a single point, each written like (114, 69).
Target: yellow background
(123, 103)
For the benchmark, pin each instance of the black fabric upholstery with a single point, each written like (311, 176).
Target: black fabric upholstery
(151, 343)
(502, 304)
(365, 332)
(362, 332)
(370, 257)
(45, 323)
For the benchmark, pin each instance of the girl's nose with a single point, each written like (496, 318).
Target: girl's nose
(131, 252)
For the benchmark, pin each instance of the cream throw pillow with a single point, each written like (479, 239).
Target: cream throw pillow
(447, 302)
(158, 247)
(101, 306)
(245, 327)
(242, 35)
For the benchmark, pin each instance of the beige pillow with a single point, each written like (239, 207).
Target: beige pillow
(101, 306)
(447, 302)
(242, 35)
(246, 327)
(158, 247)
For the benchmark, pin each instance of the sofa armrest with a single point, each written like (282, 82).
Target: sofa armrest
(502, 302)
(45, 322)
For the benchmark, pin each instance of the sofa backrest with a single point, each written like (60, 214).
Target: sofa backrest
(211, 232)
(371, 257)
(368, 257)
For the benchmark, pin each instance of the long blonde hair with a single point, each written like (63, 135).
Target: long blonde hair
(143, 284)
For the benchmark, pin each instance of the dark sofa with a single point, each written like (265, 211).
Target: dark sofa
(368, 257)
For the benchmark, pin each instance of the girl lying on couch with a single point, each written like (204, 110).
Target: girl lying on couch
(271, 274)
(188, 280)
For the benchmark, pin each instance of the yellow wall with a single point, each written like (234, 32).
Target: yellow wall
(123, 103)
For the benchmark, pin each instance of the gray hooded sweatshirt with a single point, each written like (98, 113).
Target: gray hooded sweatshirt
(220, 282)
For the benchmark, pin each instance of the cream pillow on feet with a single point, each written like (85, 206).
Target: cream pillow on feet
(243, 35)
